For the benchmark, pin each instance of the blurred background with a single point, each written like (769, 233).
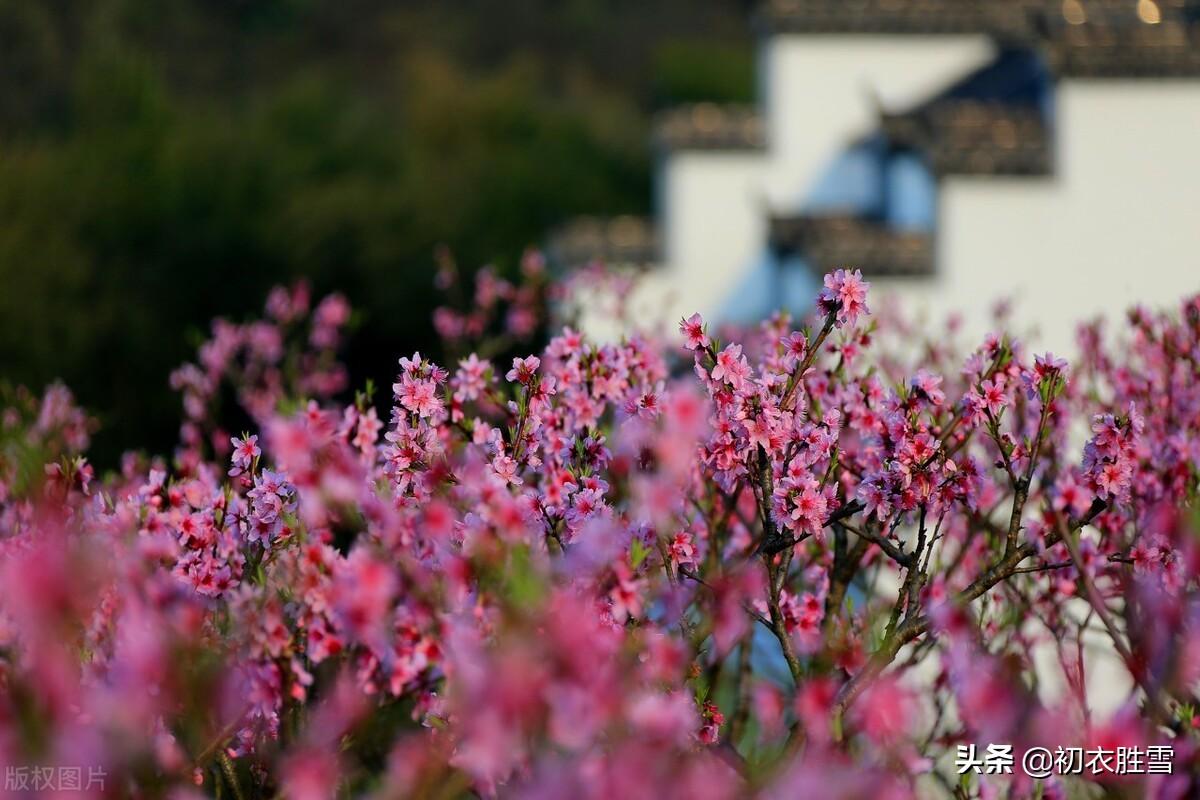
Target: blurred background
(1033, 156)
(163, 162)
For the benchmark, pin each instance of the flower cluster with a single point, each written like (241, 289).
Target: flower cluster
(1110, 457)
(291, 354)
(780, 561)
(41, 436)
(500, 312)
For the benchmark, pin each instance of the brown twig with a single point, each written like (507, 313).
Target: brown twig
(917, 625)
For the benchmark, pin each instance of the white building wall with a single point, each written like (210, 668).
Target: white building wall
(820, 93)
(716, 214)
(714, 226)
(1117, 223)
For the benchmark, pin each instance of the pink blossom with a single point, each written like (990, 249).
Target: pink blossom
(795, 347)
(472, 376)
(992, 395)
(682, 549)
(506, 468)
(846, 294)
(693, 330)
(244, 452)
(418, 396)
(523, 369)
(609, 576)
(731, 366)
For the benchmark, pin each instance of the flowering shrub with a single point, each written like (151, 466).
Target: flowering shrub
(810, 567)
(498, 313)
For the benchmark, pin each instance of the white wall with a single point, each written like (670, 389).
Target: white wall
(714, 221)
(820, 93)
(1117, 223)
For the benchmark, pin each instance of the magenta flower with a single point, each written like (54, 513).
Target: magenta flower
(506, 469)
(807, 566)
(682, 549)
(928, 386)
(731, 366)
(244, 452)
(845, 294)
(992, 395)
(419, 396)
(692, 329)
(795, 348)
(472, 377)
(523, 370)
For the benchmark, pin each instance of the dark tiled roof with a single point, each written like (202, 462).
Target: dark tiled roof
(964, 137)
(615, 240)
(708, 126)
(832, 241)
(1081, 38)
(1168, 49)
(892, 16)
(1112, 13)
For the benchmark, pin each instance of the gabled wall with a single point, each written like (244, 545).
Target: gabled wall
(821, 93)
(714, 219)
(1117, 223)
(818, 93)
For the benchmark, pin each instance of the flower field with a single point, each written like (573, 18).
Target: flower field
(808, 558)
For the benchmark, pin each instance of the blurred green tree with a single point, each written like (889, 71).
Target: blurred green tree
(163, 162)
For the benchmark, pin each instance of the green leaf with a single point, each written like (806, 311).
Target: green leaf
(522, 584)
(637, 553)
